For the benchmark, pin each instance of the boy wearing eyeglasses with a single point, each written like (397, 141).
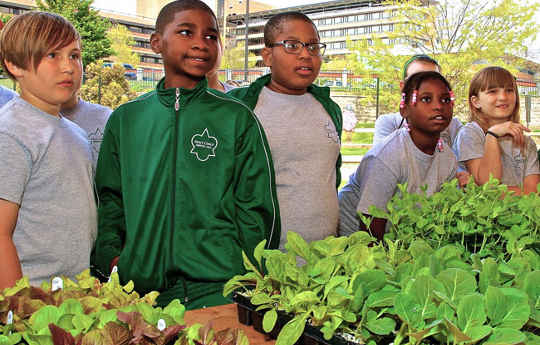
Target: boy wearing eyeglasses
(302, 124)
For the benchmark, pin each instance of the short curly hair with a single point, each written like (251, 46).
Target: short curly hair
(166, 15)
(274, 26)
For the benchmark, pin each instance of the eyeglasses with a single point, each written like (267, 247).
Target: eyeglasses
(295, 47)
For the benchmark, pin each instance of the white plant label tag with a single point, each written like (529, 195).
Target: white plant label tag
(114, 270)
(9, 318)
(161, 325)
(57, 284)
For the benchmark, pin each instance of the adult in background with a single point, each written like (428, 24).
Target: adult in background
(388, 123)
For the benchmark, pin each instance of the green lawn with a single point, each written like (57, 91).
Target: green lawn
(354, 151)
(357, 138)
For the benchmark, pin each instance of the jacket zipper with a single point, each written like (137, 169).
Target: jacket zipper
(173, 174)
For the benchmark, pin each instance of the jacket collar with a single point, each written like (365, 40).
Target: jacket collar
(255, 89)
(168, 96)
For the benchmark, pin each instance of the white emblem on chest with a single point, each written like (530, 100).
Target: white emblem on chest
(203, 145)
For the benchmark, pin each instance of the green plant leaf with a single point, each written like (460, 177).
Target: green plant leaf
(83, 322)
(478, 333)
(105, 317)
(38, 339)
(258, 252)
(11, 339)
(176, 310)
(44, 316)
(507, 308)
(382, 326)
(292, 330)
(66, 322)
(371, 281)
(335, 282)
(305, 297)
(269, 320)
(261, 298)
(505, 336)
(457, 283)
(409, 311)
(71, 306)
(421, 290)
(427, 331)
(471, 312)
(299, 246)
(381, 298)
(458, 334)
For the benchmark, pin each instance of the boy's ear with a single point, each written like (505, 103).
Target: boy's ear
(266, 54)
(155, 42)
(15, 70)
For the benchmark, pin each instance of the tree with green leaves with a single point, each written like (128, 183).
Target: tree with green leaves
(91, 26)
(106, 85)
(234, 57)
(121, 43)
(462, 35)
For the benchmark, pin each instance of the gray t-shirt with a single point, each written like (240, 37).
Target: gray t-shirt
(516, 165)
(305, 147)
(394, 161)
(45, 168)
(387, 124)
(6, 95)
(92, 118)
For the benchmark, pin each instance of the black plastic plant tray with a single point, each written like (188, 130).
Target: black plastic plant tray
(247, 315)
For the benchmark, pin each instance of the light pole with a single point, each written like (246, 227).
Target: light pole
(246, 51)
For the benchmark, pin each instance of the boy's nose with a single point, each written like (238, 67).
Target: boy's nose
(67, 65)
(200, 43)
(304, 52)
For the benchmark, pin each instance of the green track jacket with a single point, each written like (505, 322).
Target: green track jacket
(250, 95)
(185, 182)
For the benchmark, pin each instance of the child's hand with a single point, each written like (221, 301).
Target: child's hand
(463, 178)
(509, 128)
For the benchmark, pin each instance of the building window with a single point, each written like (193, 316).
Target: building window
(367, 29)
(338, 20)
(367, 16)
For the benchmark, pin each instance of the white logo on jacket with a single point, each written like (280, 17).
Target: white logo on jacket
(203, 145)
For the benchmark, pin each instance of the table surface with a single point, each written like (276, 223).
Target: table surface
(223, 317)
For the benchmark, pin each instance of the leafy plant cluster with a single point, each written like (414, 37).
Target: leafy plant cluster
(106, 85)
(483, 220)
(89, 312)
(391, 293)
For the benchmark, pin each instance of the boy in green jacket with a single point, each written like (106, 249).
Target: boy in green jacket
(303, 126)
(184, 176)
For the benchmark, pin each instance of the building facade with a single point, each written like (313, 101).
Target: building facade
(337, 21)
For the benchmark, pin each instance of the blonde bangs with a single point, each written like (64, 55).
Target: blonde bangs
(28, 37)
(491, 78)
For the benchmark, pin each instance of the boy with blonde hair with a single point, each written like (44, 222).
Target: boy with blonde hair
(47, 206)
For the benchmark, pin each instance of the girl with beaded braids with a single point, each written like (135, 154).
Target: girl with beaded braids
(493, 143)
(415, 155)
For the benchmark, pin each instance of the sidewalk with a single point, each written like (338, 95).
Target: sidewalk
(351, 159)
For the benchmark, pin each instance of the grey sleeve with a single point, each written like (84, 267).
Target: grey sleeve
(384, 126)
(532, 166)
(348, 199)
(373, 183)
(15, 169)
(453, 129)
(469, 144)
